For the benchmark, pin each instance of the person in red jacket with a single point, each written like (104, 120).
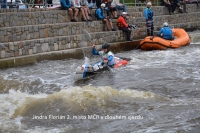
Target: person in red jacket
(122, 25)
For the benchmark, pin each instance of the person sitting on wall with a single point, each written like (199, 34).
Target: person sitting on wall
(66, 5)
(85, 10)
(182, 2)
(118, 5)
(165, 32)
(168, 4)
(122, 25)
(110, 9)
(100, 16)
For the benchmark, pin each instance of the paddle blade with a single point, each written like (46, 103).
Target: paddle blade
(87, 35)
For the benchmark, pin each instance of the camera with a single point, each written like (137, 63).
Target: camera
(132, 26)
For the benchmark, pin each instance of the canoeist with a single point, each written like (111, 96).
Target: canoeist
(106, 55)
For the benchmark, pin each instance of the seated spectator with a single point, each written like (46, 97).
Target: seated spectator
(50, 3)
(110, 9)
(122, 25)
(167, 3)
(91, 4)
(98, 3)
(73, 12)
(175, 5)
(118, 5)
(85, 10)
(166, 32)
(182, 2)
(100, 16)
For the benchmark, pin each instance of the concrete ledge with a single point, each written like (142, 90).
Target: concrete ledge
(63, 54)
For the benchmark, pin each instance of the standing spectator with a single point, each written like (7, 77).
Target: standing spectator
(100, 16)
(122, 25)
(148, 14)
(73, 12)
(167, 3)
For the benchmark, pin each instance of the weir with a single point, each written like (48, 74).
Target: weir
(32, 35)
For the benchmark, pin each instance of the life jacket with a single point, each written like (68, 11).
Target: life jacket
(106, 55)
(120, 21)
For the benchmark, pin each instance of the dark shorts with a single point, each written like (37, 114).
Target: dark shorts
(113, 9)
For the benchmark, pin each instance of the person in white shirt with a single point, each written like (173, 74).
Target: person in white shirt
(118, 5)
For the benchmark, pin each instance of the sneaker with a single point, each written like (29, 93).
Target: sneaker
(89, 20)
(113, 30)
(73, 20)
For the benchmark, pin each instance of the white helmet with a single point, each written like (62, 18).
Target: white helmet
(149, 4)
(165, 24)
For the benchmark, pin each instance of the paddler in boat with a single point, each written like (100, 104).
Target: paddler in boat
(107, 56)
(166, 32)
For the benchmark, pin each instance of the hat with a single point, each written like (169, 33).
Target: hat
(103, 5)
(124, 13)
(148, 3)
(165, 24)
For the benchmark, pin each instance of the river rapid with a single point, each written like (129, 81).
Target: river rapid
(158, 91)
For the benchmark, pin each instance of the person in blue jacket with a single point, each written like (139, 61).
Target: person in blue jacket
(166, 32)
(101, 16)
(106, 55)
(148, 14)
(67, 5)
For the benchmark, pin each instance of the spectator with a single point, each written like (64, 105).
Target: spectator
(182, 2)
(118, 5)
(166, 32)
(98, 3)
(100, 16)
(175, 5)
(73, 12)
(110, 8)
(122, 25)
(50, 3)
(167, 3)
(148, 14)
(92, 4)
(85, 10)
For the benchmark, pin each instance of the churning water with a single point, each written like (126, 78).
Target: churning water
(158, 91)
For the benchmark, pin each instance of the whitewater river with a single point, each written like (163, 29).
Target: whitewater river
(158, 91)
